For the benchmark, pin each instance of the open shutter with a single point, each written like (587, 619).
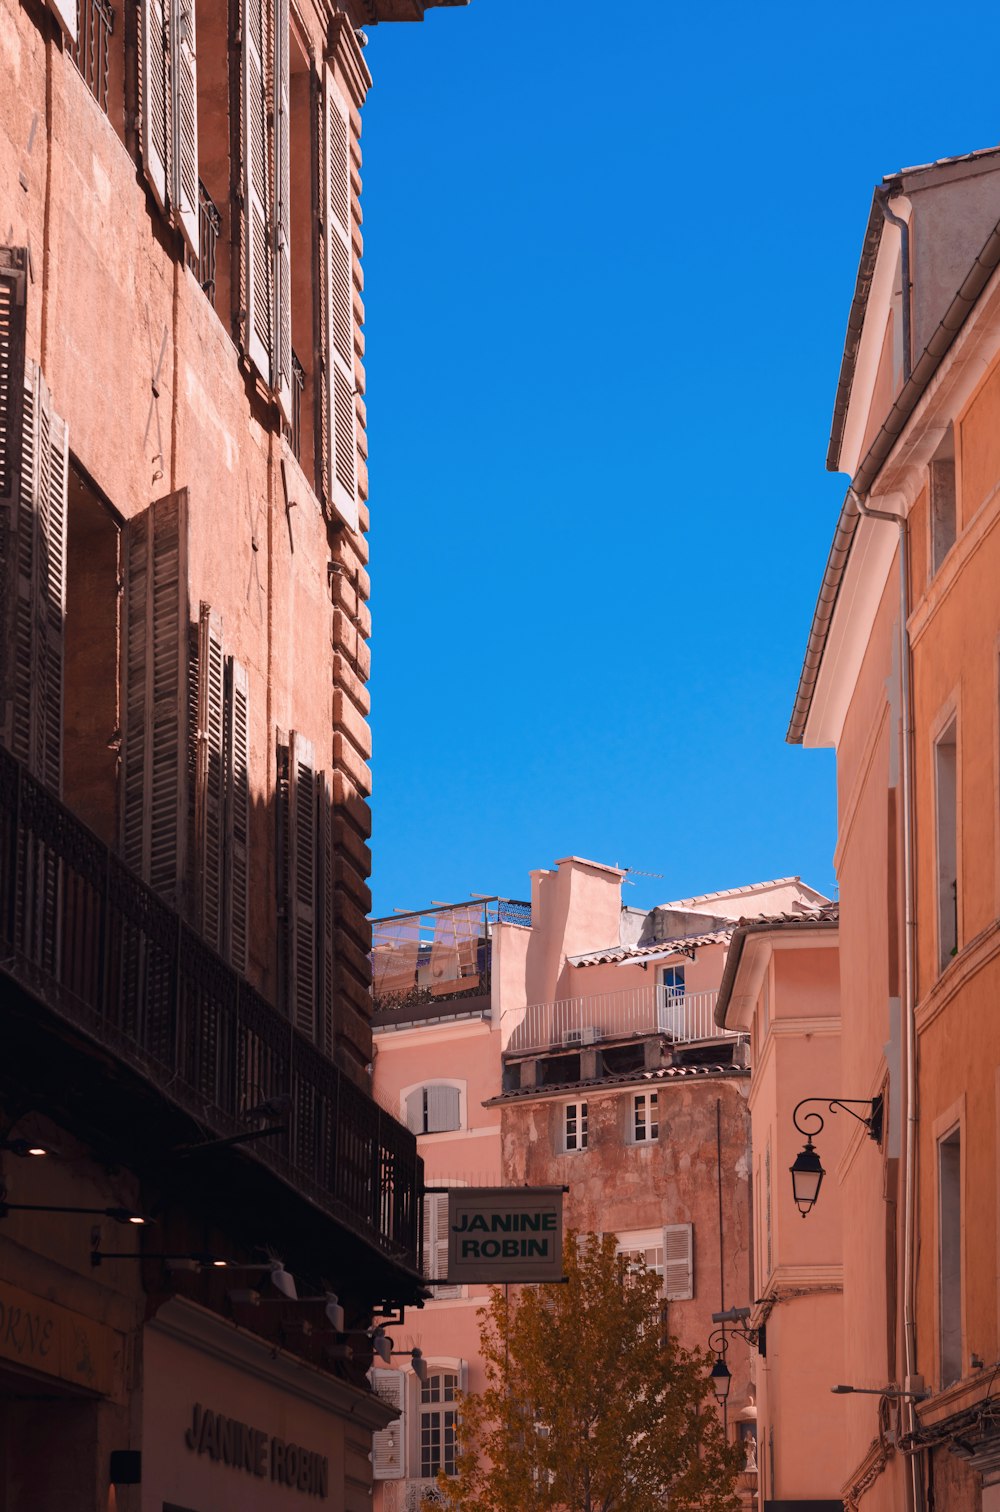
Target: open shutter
(678, 1261)
(443, 1106)
(302, 884)
(436, 1242)
(342, 484)
(156, 96)
(325, 911)
(154, 810)
(184, 118)
(282, 214)
(237, 813)
(210, 783)
(256, 166)
(65, 13)
(415, 1112)
(13, 283)
(388, 1445)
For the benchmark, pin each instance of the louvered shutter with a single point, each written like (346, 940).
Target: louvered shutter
(435, 1238)
(184, 118)
(341, 461)
(237, 813)
(156, 96)
(210, 785)
(415, 1111)
(442, 1109)
(13, 282)
(256, 170)
(302, 884)
(678, 1261)
(326, 911)
(154, 808)
(388, 1445)
(65, 13)
(282, 213)
(37, 557)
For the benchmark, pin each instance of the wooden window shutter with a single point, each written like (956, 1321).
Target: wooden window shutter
(256, 173)
(282, 213)
(302, 884)
(65, 13)
(678, 1261)
(338, 298)
(443, 1105)
(415, 1111)
(326, 911)
(436, 1242)
(13, 285)
(237, 762)
(156, 96)
(155, 708)
(210, 774)
(184, 119)
(388, 1444)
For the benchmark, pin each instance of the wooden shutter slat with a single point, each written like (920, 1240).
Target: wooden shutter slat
(326, 914)
(13, 283)
(52, 507)
(210, 785)
(282, 213)
(302, 883)
(184, 116)
(257, 280)
(338, 292)
(443, 1105)
(237, 814)
(678, 1261)
(388, 1457)
(415, 1118)
(156, 96)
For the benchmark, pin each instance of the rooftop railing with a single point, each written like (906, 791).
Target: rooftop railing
(438, 954)
(629, 1013)
(82, 933)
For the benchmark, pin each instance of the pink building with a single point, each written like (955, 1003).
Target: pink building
(571, 1041)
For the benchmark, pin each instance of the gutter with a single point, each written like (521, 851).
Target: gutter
(871, 464)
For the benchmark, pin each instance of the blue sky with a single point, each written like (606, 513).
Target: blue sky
(609, 257)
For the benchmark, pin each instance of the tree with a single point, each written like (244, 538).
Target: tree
(588, 1407)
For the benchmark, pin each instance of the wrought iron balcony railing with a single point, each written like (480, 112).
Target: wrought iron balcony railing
(630, 1013)
(81, 932)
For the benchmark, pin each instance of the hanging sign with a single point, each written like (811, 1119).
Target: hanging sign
(504, 1234)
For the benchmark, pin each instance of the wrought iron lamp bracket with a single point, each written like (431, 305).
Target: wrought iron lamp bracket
(872, 1123)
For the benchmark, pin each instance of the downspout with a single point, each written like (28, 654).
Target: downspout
(909, 992)
(903, 227)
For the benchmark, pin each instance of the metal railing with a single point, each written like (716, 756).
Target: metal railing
(79, 930)
(95, 21)
(439, 953)
(629, 1013)
(209, 226)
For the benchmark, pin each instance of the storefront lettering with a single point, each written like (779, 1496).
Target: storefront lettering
(26, 1335)
(250, 1449)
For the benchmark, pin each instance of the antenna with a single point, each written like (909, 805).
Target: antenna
(637, 871)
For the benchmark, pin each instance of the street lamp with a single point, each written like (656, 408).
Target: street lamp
(720, 1374)
(807, 1170)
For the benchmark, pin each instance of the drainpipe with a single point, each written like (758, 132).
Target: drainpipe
(914, 1467)
(903, 228)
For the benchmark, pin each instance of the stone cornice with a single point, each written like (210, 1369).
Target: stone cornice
(343, 51)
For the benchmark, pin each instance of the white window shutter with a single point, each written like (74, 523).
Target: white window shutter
(184, 118)
(237, 764)
(154, 804)
(156, 95)
(341, 419)
(327, 911)
(389, 1444)
(302, 884)
(65, 13)
(210, 783)
(282, 213)
(435, 1239)
(443, 1106)
(678, 1261)
(415, 1111)
(255, 147)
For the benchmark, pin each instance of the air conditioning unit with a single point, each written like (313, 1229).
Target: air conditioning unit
(585, 1036)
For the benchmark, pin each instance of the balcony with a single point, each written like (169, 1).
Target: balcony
(436, 962)
(84, 938)
(629, 1014)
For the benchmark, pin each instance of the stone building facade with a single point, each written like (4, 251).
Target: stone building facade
(183, 773)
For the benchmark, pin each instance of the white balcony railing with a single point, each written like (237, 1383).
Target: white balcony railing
(630, 1013)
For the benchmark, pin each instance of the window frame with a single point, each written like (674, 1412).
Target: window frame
(579, 1117)
(442, 1408)
(646, 1102)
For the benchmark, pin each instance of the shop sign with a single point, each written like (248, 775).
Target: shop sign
(256, 1452)
(51, 1339)
(504, 1234)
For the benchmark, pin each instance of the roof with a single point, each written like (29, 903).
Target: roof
(623, 1079)
(616, 955)
(826, 917)
(733, 892)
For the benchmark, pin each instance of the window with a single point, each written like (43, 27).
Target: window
(438, 1424)
(575, 1126)
(645, 1125)
(434, 1109)
(90, 42)
(944, 521)
(946, 794)
(670, 1001)
(643, 1250)
(950, 1255)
